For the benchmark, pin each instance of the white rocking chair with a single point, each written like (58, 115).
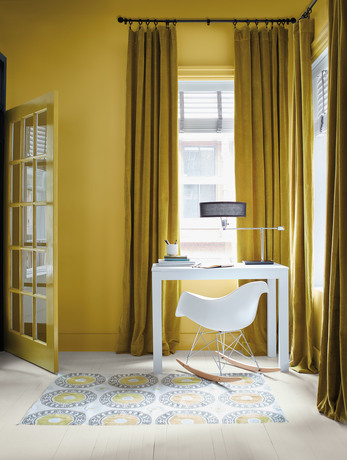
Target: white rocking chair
(226, 315)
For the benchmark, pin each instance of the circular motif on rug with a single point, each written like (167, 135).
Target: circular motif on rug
(133, 380)
(80, 380)
(256, 416)
(184, 399)
(54, 417)
(115, 417)
(248, 380)
(186, 418)
(64, 398)
(246, 399)
(184, 381)
(126, 398)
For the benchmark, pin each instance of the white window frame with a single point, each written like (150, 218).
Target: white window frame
(197, 230)
(320, 171)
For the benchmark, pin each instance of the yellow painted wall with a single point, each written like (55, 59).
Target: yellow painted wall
(78, 48)
(320, 15)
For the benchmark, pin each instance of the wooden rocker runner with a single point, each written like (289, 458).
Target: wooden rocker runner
(207, 376)
(248, 367)
(224, 378)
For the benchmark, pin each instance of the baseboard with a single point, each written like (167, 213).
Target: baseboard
(87, 342)
(107, 342)
(186, 340)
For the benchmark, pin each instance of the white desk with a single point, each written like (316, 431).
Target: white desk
(270, 273)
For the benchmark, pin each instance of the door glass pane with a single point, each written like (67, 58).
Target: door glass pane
(41, 271)
(16, 141)
(41, 319)
(27, 315)
(41, 180)
(40, 225)
(28, 181)
(28, 137)
(15, 190)
(27, 271)
(41, 135)
(27, 225)
(15, 269)
(15, 213)
(15, 311)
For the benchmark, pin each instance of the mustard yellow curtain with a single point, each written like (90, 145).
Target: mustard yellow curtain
(151, 186)
(332, 387)
(302, 215)
(261, 151)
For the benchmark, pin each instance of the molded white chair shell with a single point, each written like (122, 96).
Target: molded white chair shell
(232, 312)
(224, 315)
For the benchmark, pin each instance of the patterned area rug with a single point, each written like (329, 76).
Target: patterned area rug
(134, 399)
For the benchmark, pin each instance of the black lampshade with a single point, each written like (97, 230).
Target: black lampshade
(223, 209)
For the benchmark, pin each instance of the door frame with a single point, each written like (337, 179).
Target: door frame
(3, 63)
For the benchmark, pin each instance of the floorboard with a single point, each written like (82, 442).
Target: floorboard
(307, 435)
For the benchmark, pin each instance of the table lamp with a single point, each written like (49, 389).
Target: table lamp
(224, 209)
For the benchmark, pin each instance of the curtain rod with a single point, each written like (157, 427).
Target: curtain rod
(307, 13)
(207, 21)
(287, 21)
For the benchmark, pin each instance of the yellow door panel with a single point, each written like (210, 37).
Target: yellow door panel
(31, 313)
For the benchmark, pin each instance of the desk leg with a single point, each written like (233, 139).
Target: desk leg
(157, 325)
(283, 322)
(271, 318)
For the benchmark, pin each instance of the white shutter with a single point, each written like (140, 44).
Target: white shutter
(320, 123)
(41, 141)
(206, 106)
(320, 95)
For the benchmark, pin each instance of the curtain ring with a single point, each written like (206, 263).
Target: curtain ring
(256, 23)
(174, 22)
(155, 23)
(147, 23)
(167, 24)
(266, 23)
(140, 23)
(235, 23)
(248, 22)
(130, 23)
(208, 21)
(308, 13)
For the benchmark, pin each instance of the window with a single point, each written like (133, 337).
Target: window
(320, 109)
(206, 149)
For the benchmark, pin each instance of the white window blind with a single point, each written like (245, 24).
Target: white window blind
(206, 106)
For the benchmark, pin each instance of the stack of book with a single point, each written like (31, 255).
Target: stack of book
(175, 261)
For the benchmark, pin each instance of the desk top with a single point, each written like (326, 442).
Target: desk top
(238, 271)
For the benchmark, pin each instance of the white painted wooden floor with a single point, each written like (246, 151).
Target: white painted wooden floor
(307, 435)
